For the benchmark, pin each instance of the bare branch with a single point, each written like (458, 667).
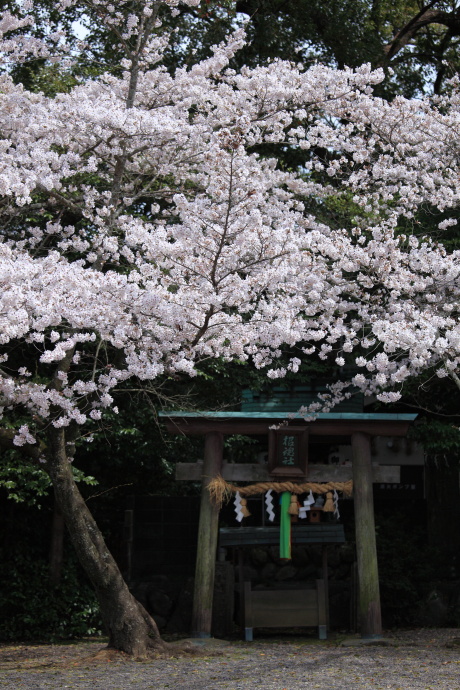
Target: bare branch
(427, 15)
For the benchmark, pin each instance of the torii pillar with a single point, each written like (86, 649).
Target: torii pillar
(369, 613)
(208, 531)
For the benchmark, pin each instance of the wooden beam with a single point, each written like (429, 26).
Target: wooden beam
(388, 474)
(369, 613)
(236, 472)
(323, 533)
(208, 530)
(340, 427)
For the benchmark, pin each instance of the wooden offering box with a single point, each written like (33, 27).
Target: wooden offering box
(285, 608)
(304, 606)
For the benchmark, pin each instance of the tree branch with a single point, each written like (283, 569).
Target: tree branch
(426, 16)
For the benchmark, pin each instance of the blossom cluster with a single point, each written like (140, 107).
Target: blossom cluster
(164, 237)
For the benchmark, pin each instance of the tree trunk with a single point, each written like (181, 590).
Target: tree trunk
(130, 628)
(56, 547)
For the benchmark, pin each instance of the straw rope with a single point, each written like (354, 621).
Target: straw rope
(220, 490)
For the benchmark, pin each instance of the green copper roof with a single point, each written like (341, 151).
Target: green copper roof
(280, 399)
(362, 416)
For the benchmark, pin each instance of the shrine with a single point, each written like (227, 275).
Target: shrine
(289, 468)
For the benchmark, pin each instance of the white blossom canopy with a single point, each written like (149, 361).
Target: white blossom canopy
(141, 220)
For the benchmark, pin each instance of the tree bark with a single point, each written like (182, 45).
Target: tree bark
(56, 547)
(130, 628)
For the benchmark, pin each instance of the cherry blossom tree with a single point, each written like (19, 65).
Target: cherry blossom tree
(143, 231)
(404, 286)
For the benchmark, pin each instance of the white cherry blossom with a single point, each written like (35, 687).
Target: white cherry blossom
(185, 243)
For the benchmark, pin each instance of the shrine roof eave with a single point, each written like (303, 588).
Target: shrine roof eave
(330, 423)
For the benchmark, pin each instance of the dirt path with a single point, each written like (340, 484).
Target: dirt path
(412, 660)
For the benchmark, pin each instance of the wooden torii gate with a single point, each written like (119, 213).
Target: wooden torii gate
(359, 427)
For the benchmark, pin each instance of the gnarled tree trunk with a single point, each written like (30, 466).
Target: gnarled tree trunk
(56, 547)
(130, 628)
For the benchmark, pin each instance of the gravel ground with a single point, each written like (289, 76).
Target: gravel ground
(427, 659)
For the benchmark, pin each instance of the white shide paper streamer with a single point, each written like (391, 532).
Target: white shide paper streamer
(307, 504)
(238, 507)
(269, 505)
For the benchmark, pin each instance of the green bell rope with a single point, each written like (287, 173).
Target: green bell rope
(285, 526)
